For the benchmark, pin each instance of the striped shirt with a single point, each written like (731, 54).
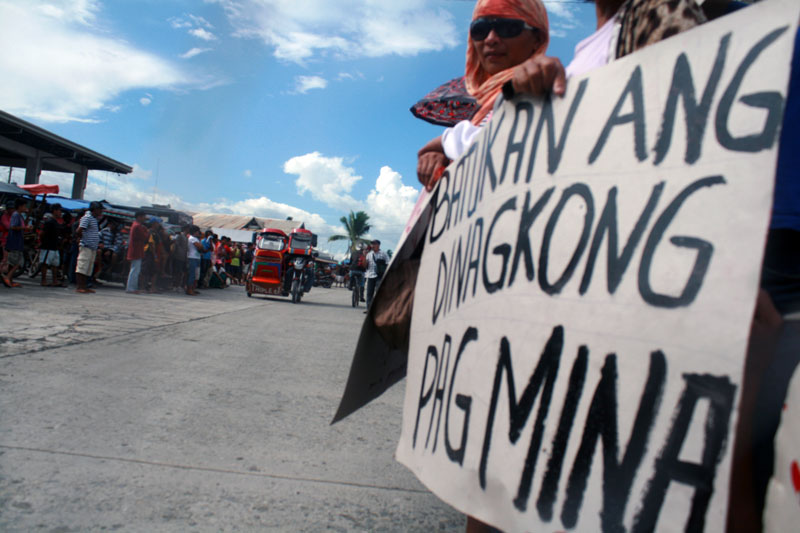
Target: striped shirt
(111, 241)
(91, 234)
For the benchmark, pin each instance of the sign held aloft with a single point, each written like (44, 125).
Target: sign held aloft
(587, 284)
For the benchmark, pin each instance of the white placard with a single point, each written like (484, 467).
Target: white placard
(587, 285)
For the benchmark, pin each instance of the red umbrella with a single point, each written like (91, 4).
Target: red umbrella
(446, 105)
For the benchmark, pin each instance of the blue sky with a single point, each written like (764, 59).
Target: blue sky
(267, 107)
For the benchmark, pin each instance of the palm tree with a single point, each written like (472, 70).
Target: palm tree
(356, 226)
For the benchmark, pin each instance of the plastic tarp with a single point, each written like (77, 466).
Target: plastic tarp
(69, 204)
(72, 204)
(10, 188)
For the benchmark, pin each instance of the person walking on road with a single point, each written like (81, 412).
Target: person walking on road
(193, 251)
(136, 240)
(88, 235)
(179, 250)
(376, 266)
(15, 242)
(49, 256)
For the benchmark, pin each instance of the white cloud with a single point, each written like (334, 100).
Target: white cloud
(81, 11)
(300, 31)
(145, 101)
(303, 84)
(189, 21)
(179, 23)
(248, 173)
(70, 71)
(202, 33)
(350, 76)
(200, 21)
(562, 10)
(326, 178)
(563, 17)
(140, 173)
(390, 203)
(264, 207)
(194, 52)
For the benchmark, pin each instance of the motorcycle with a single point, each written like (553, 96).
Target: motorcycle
(301, 269)
(323, 278)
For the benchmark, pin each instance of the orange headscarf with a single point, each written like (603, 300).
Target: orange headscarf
(479, 84)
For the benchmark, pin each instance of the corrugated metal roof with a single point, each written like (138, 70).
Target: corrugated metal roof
(238, 222)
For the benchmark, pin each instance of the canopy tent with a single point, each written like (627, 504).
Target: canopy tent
(40, 188)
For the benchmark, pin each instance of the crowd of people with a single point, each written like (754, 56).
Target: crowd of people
(148, 255)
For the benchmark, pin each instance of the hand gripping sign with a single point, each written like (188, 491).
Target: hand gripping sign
(587, 284)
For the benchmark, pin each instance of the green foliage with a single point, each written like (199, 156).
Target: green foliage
(356, 225)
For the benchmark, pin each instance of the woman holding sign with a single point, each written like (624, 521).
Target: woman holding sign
(504, 37)
(505, 54)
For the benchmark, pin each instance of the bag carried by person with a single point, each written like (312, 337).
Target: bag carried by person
(380, 266)
(361, 262)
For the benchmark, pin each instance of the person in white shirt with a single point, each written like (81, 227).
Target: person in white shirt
(193, 259)
(376, 265)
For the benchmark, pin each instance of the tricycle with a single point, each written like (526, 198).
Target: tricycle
(282, 265)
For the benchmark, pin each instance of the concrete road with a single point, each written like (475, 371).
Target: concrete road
(172, 413)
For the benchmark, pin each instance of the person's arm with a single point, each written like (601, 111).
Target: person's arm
(429, 158)
(79, 230)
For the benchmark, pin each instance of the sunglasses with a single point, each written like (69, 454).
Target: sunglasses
(504, 28)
